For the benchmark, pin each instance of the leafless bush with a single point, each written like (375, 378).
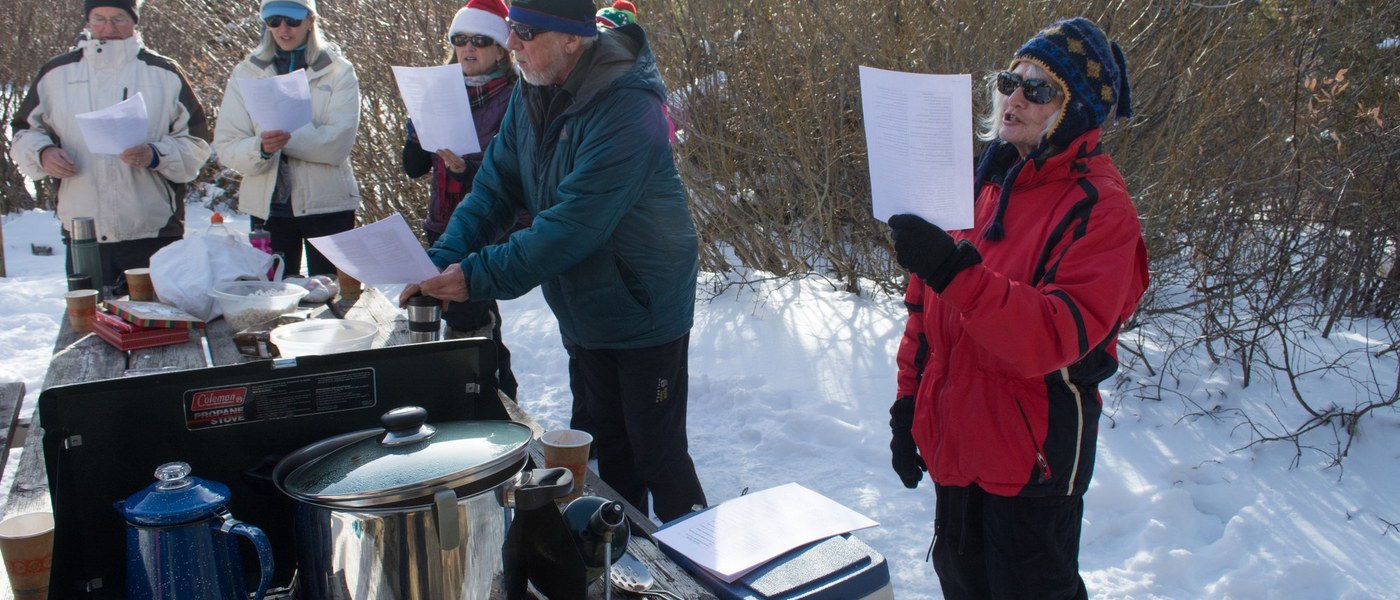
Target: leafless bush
(1263, 160)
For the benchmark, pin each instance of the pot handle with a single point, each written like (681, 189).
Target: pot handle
(228, 524)
(544, 486)
(448, 520)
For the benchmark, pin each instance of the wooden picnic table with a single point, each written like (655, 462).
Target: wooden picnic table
(82, 358)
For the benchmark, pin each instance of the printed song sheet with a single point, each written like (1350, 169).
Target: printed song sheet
(281, 103)
(381, 253)
(741, 534)
(436, 98)
(116, 128)
(918, 133)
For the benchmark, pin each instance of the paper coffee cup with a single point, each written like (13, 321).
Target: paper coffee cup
(138, 285)
(568, 448)
(26, 545)
(82, 309)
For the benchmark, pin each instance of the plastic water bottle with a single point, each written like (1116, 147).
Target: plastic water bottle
(217, 227)
(262, 240)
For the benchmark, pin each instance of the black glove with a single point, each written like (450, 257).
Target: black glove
(904, 455)
(924, 249)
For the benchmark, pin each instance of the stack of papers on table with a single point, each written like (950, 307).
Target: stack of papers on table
(740, 535)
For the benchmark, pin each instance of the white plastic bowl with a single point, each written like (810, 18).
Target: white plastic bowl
(247, 303)
(323, 336)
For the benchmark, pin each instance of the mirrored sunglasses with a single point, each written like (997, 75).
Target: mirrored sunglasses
(1037, 91)
(525, 32)
(480, 41)
(276, 21)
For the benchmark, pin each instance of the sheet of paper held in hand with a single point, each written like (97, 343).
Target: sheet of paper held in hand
(281, 103)
(114, 129)
(742, 534)
(381, 253)
(436, 98)
(918, 135)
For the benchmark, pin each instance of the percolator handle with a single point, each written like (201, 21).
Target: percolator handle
(228, 524)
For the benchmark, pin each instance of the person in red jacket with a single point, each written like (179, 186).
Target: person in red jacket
(1014, 323)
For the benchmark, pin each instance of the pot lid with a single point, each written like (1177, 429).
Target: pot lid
(411, 460)
(175, 498)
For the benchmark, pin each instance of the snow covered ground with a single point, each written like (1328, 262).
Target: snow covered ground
(791, 381)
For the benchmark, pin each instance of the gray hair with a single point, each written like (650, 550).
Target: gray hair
(990, 123)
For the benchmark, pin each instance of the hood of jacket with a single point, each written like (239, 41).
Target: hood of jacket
(622, 58)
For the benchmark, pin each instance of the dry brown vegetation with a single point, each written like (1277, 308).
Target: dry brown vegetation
(1263, 158)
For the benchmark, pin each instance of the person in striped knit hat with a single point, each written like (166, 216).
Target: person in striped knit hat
(620, 14)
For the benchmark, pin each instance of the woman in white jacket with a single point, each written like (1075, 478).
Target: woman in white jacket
(296, 184)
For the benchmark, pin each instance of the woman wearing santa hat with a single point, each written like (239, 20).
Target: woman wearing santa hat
(478, 37)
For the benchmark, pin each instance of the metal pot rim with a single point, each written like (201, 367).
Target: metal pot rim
(466, 482)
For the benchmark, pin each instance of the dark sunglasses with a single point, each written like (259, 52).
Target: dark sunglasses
(1038, 91)
(525, 32)
(480, 41)
(276, 21)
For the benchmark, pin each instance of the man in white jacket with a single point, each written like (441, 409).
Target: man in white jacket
(135, 198)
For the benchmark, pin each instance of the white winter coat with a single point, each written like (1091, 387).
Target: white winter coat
(318, 155)
(126, 203)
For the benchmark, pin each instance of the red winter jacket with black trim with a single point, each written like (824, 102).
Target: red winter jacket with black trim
(1005, 364)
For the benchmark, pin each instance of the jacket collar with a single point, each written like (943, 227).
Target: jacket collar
(312, 71)
(1002, 165)
(111, 52)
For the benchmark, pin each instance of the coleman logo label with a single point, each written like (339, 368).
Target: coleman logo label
(215, 399)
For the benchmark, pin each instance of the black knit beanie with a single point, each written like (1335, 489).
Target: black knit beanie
(565, 16)
(132, 7)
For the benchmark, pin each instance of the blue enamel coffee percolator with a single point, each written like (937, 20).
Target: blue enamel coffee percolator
(178, 543)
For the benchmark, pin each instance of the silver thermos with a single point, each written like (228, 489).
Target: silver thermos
(424, 318)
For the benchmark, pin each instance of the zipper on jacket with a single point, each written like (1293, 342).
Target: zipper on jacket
(1040, 460)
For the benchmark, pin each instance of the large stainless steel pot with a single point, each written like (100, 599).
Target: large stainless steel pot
(411, 510)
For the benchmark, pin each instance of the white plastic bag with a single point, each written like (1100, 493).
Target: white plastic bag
(186, 271)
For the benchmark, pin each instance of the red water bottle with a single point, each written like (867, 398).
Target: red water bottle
(262, 240)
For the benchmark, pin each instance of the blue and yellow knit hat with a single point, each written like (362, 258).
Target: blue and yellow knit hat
(1092, 69)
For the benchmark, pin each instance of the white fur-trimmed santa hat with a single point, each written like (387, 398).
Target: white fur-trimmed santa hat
(484, 17)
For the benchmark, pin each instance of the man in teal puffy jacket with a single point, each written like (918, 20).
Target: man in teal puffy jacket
(584, 149)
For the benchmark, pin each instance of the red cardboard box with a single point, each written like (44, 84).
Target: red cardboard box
(126, 336)
(153, 315)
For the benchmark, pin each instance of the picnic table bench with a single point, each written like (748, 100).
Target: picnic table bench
(82, 358)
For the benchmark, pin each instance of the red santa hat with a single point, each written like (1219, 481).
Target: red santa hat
(483, 17)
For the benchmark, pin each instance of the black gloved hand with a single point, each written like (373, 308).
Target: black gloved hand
(929, 252)
(904, 455)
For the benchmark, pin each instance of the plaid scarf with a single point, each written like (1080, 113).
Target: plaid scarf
(450, 189)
